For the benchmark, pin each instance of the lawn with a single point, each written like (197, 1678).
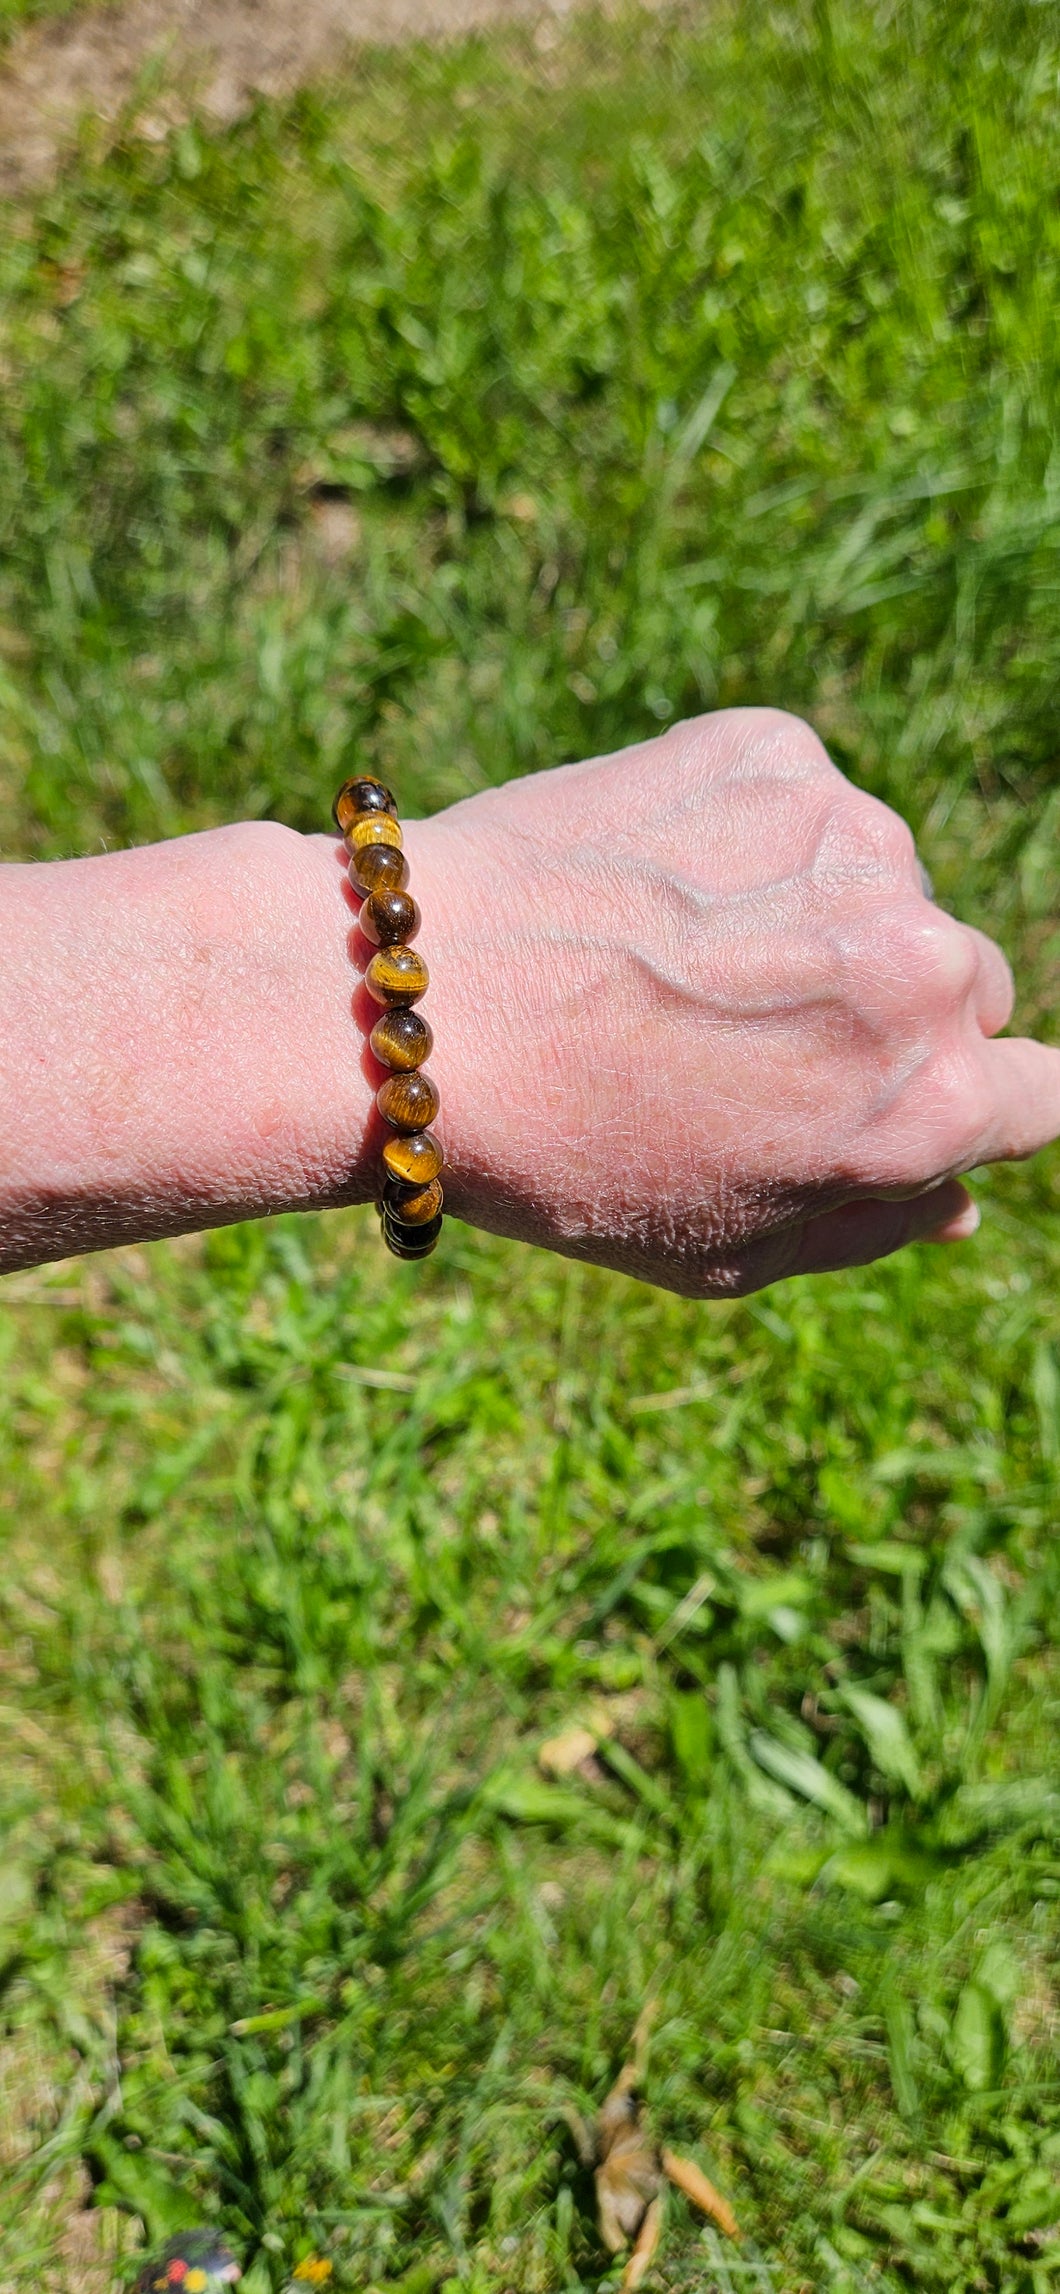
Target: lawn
(496, 408)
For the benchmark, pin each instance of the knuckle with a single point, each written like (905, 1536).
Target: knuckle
(897, 841)
(953, 1108)
(995, 986)
(883, 834)
(929, 1127)
(787, 725)
(939, 958)
(776, 741)
(907, 964)
(865, 845)
(796, 740)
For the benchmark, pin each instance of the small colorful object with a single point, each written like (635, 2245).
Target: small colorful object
(195, 2262)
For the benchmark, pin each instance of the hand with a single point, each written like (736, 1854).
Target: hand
(697, 1020)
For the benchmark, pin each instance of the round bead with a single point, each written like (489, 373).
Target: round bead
(378, 868)
(409, 1102)
(400, 1250)
(373, 828)
(402, 1039)
(363, 795)
(411, 1206)
(397, 976)
(414, 1238)
(389, 917)
(416, 1159)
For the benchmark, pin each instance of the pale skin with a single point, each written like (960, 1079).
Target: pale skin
(694, 1017)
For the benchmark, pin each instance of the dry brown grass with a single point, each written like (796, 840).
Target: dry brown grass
(215, 55)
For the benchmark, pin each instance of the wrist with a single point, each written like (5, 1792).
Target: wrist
(182, 1048)
(500, 1052)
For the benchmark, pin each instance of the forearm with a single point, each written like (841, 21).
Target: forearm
(178, 1045)
(695, 1019)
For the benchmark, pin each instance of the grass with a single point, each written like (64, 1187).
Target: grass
(15, 13)
(489, 411)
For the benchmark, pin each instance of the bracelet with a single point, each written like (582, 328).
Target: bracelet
(410, 1203)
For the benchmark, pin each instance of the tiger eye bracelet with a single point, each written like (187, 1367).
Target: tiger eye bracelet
(410, 1202)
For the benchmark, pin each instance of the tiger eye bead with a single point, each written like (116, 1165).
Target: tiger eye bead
(378, 868)
(416, 1159)
(401, 1250)
(410, 1206)
(409, 1102)
(389, 917)
(373, 828)
(413, 1238)
(397, 976)
(402, 1039)
(363, 795)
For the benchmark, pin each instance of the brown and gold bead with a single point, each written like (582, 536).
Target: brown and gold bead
(415, 1157)
(409, 1102)
(410, 1230)
(408, 1250)
(378, 868)
(397, 976)
(402, 1039)
(373, 828)
(422, 1238)
(410, 1205)
(365, 794)
(389, 918)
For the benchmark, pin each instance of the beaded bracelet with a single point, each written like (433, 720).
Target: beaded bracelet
(410, 1205)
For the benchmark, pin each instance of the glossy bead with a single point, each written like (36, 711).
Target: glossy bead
(414, 1238)
(411, 1206)
(397, 976)
(378, 868)
(372, 828)
(400, 1250)
(402, 1039)
(409, 1102)
(416, 1159)
(363, 795)
(387, 918)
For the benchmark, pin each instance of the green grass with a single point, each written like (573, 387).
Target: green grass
(15, 13)
(495, 410)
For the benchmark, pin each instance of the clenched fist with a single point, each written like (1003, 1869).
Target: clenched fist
(697, 1019)
(694, 1017)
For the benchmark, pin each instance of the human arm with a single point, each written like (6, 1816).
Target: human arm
(694, 1018)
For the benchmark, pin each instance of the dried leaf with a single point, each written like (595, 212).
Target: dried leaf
(336, 529)
(628, 2177)
(561, 1755)
(685, 2174)
(643, 2254)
